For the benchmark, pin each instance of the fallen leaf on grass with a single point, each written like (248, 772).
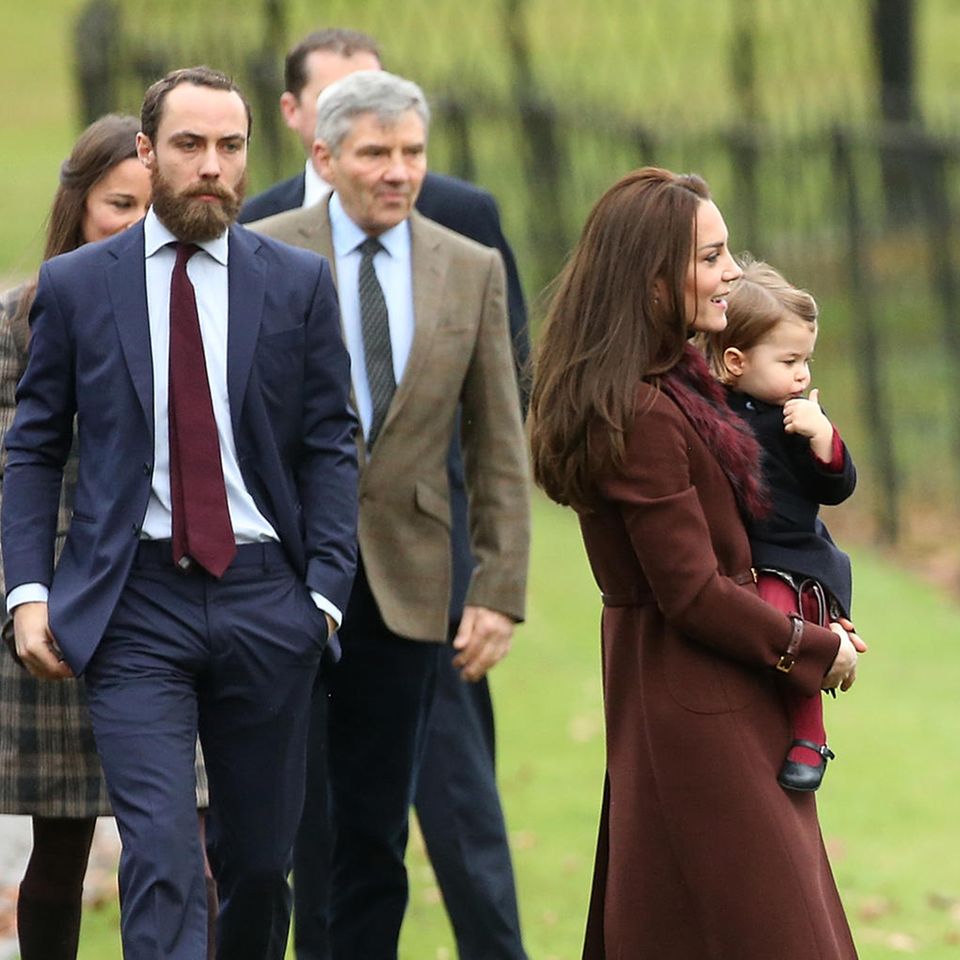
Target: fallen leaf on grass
(902, 943)
(876, 908)
(584, 728)
(942, 901)
(523, 840)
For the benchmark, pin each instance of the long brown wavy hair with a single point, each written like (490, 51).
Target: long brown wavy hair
(616, 317)
(105, 143)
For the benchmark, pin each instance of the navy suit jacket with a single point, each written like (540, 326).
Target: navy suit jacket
(288, 380)
(472, 212)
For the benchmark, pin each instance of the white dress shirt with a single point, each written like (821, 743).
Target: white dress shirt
(394, 271)
(207, 270)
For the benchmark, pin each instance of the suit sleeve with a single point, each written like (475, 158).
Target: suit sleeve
(38, 443)
(484, 227)
(495, 461)
(671, 538)
(327, 475)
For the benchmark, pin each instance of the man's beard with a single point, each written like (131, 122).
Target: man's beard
(193, 220)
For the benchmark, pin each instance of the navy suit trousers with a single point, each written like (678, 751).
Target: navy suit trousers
(234, 659)
(379, 709)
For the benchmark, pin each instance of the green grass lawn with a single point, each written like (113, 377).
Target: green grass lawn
(888, 805)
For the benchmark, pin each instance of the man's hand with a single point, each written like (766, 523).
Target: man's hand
(36, 645)
(483, 640)
(805, 417)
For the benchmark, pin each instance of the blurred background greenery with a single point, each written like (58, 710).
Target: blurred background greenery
(830, 133)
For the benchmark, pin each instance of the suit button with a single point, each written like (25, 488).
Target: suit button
(148, 469)
(136, 529)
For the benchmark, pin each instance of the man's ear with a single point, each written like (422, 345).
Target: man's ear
(734, 362)
(145, 151)
(322, 157)
(290, 108)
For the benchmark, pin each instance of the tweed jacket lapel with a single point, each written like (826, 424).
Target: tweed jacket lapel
(428, 264)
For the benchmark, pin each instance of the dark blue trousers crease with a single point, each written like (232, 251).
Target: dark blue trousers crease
(235, 660)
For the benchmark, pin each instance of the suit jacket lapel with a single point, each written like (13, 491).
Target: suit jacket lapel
(127, 283)
(247, 280)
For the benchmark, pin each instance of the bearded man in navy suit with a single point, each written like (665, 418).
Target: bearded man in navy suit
(457, 802)
(213, 541)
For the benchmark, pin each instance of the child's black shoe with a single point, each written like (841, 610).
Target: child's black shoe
(805, 777)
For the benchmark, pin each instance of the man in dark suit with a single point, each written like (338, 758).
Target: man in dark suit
(213, 540)
(457, 802)
(428, 306)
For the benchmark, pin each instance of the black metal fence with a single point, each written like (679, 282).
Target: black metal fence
(829, 132)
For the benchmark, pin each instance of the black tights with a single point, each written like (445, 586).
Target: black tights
(51, 892)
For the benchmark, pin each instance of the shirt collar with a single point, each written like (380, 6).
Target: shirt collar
(347, 236)
(156, 236)
(315, 188)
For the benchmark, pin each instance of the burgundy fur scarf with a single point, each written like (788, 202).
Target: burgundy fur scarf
(694, 390)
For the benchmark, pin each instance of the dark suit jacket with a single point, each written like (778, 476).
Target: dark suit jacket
(793, 537)
(468, 210)
(288, 381)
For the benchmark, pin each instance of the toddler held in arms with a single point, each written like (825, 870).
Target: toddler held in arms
(763, 358)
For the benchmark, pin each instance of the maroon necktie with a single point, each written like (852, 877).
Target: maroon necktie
(202, 531)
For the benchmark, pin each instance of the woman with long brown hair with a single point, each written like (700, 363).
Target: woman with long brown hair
(49, 768)
(701, 853)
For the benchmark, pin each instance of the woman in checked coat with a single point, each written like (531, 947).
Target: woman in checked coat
(701, 855)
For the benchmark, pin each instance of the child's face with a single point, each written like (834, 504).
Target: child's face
(777, 368)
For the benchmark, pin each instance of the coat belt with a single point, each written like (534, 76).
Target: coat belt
(639, 596)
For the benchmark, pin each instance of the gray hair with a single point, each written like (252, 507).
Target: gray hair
(384, 94)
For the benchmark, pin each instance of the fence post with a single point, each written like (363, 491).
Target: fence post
(867, 346)
(743, 138)
(935, 194)
(456, 123)
(96, 44)
(544, 154)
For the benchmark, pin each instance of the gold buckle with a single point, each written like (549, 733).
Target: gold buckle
(785, 663)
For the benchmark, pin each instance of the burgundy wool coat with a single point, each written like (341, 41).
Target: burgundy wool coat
(701, 855)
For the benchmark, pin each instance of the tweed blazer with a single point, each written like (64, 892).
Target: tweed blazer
(461, 354)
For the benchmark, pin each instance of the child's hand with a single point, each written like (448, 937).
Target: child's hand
(804, 416)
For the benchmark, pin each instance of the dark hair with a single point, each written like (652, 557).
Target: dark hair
(759, 300)
(616, 317)
(105, 143)
(152, 109)
(334, 40)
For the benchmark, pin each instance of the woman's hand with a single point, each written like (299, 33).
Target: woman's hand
(843, 672)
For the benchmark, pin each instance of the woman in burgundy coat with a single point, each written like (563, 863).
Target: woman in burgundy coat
(702, 855)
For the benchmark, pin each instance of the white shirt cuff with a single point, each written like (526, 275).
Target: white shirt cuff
(325, 605)
(27, 593)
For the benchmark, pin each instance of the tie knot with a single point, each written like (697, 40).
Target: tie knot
(370, 247)
(184, 251)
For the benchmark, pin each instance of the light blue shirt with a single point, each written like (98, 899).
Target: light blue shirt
(207, 270)
(394, 271)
